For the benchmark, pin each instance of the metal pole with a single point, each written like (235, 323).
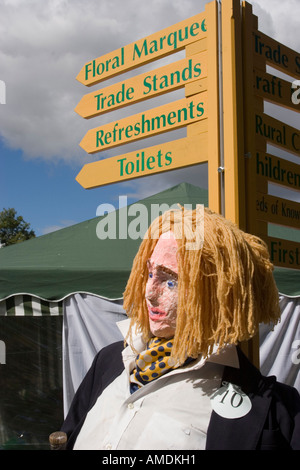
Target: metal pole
(221, 168)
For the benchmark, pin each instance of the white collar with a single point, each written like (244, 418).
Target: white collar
(227, 356)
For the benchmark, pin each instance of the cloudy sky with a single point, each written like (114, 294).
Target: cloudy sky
(44, 44)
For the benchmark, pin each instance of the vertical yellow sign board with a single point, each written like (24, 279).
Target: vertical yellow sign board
(248, 168)
(262, 168)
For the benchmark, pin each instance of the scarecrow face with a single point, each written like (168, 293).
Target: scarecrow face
(161, 287)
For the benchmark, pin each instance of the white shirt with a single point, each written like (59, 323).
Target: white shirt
(171, 412)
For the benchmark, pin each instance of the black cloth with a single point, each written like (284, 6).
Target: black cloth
(273, 422)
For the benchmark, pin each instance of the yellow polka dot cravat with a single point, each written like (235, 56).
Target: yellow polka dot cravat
(153, 362)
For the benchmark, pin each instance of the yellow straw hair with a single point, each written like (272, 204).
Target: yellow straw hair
(225, 286)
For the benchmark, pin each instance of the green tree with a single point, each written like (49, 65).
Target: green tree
(13, 228)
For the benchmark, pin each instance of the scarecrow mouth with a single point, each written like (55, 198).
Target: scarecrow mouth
(156, 313)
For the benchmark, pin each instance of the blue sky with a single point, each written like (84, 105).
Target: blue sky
(47, 195)
(43, 47)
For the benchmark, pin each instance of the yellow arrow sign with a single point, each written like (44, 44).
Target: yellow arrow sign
(277, 210)
(275, 89)
(152, 122)
(278, 170)
(160, 44)
(276, 54)
(144, 86)
(277, 133)
(149, 161)
(284, 253)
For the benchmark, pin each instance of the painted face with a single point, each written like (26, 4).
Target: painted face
(161, 287)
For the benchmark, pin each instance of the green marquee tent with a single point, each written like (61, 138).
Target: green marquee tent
(74, 259)
(60, 299)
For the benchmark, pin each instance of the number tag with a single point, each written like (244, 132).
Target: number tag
(230, 401)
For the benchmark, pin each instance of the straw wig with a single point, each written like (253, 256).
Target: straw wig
(225, 286)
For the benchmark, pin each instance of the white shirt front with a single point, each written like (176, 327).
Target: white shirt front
(171, 412)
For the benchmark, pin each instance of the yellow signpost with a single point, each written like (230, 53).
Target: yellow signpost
(277, 170)
(268, 51)
(144, 86)
(274, 89)
(148, 123)
(284, 253)
(247, 129)
(277, 133)
(149, 161)
(226, 82)
(143, 51)
(198, 112)
(262, 129)
(277, 210)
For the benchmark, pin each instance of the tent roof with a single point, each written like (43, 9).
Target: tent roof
(74, 259)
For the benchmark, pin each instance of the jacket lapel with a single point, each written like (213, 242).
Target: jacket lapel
(242, 433)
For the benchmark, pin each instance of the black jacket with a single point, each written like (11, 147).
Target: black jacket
(273, 422)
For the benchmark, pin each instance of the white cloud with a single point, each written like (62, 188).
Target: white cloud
(279, 19)
(44, 44)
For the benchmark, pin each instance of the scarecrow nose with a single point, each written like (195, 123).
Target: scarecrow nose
(152, 292)
(152, 297)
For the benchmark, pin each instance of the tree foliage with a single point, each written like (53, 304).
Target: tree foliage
(13, 228)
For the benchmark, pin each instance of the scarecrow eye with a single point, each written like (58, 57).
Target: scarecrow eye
(150, 275)
(171, 284)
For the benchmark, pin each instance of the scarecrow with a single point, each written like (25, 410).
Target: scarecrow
(199, 286)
